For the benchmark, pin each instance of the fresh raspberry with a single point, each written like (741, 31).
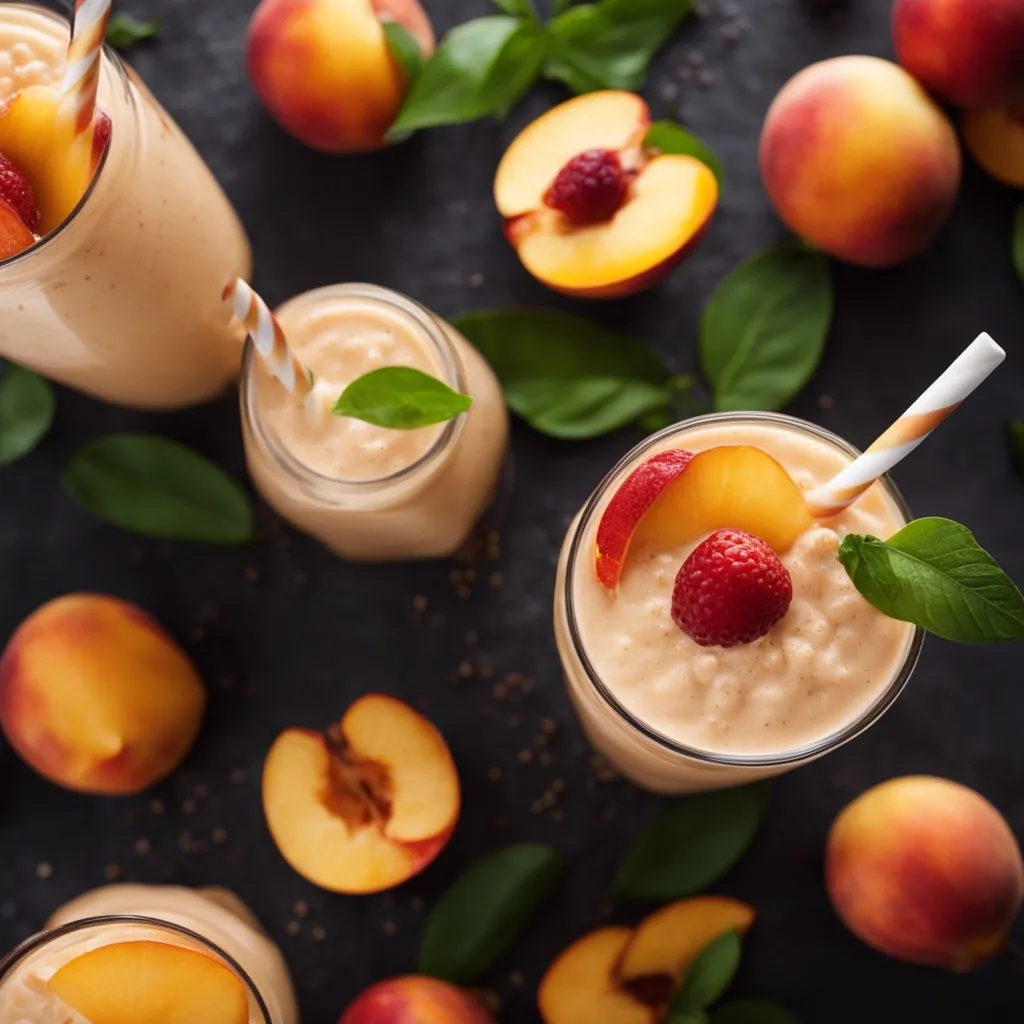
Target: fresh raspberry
(731, 590)
(100, 137)
(590, 188)
(17, 193)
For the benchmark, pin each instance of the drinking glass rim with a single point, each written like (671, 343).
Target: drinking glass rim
(34, 942)
(867, 718)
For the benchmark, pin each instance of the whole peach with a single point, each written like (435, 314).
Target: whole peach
(926, 870)
(415, 1000)
(96, 697)
(858, 160)
(324, 71)
(968, 52)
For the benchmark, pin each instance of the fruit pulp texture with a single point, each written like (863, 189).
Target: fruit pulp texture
(427, 512)
(215, 914)
(124, 300)
(818, 670)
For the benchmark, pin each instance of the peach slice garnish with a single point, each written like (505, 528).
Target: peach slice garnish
(367, 805)
(14, 236)
(995, 138)
(151, 983)
(667, 206)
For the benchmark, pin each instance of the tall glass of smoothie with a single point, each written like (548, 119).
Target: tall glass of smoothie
(367, 492)
(196, 955)
(120, 296)
(676, 715)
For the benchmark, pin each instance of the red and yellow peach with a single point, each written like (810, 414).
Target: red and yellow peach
(415, 1000)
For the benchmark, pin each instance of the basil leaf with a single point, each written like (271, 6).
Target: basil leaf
(517, 8)
(159, 488)
(933, 573)
(27, 405)
(1018, 241)
(751, 1011)
(403, 47)
(709, 975)
(566, 376)
(452, 87)
(669, 137)
(124, 31)
(764, 329)
(1015, 435)
(517, 68)
(400, 398)
(483, 913)
(694, 842)
(610, 44)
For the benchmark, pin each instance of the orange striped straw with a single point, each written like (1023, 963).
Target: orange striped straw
(82, 75)
(972, 367)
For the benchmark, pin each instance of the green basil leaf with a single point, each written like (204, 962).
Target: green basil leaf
(764, 329)
(404, 48)
(124, 31)
(483, 913)
(709, 975)
(27, 405)
(159, 488)
(933, 573)
(1018, 241)
(452, 87)
(610, 44)
(400, 398)
(1015, 435)
(669, 137)
(751, 1011)
(694, 842)
(517, 8)
(566, 376)
(517, 68)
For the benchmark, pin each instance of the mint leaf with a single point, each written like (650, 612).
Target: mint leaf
(751, 1011)
(669, 137)
(764, 329)
(516, 69)
(400, 398)
(159, 488)
(934, 574)
(485, 910)
(561, 6)
(610, 44)
(1015, 435)
(1018, 241)
(517, 8)
(403, 47)
(27, 405)
(709, 975)
(124, 31)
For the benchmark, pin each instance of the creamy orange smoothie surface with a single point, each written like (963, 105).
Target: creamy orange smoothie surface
(819, 669)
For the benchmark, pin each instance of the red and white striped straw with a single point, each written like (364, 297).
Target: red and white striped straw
(82, 75)
(972, 367)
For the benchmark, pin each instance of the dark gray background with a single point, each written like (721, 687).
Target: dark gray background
(298, 644)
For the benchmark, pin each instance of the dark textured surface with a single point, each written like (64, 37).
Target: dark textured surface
(295, 646)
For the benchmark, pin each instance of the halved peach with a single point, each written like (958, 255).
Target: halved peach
(654, 221)
(995, 138)
(367, 805)
(151, 983)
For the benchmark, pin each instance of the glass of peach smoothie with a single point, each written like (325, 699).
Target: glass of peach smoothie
(121, 298)
(674, 715)
(367, 492)
(137, 952)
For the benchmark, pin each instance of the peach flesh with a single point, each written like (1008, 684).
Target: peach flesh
(415, 1000)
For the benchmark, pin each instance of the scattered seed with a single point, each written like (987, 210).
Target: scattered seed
(111, 872)
(142, 846)
(544, 759)
(293, 928)
(494, 774)
(219, 836)
(201, 792)
(465, 669)
(536, 807)
(525, 756)
(499, 691)
(558, 785)
(416, 904)
(44, 870)
(516, 979)
(463, 592)
(238, 775)
(705, 78)
(513, 721)
(157, 806)
(496, 580)
(476, 280)
(389, 928)
(471, 639)
(557, 816)
(252, 574)
(548, 725)
(188, 806)
(319, 933)
(419, 604)
(826, 401)
(694, 58)
(301, 909)
(541, 740)
(685, 73)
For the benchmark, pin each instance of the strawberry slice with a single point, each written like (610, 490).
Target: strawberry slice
(17, 193)
(100, 137)
(15, 237)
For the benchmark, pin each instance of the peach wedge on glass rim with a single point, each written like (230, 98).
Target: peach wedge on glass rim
(366, 805)
(591, 212)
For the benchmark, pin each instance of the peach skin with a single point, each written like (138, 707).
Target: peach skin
(858, 160)
(927, 871)
(968, 52)
(96, 697)
(995, 138)
(323, 70)
(415, 1000)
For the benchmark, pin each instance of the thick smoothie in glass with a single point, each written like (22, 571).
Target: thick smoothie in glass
(367, 492)
(224, 929)
(123, 299)
(676, 716)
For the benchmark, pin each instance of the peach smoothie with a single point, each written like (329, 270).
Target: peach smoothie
(677, 713)
(367, 492)
(122, 299)
(149, 945)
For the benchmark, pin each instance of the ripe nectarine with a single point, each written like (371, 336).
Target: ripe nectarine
(995, 138)
(415, 1000)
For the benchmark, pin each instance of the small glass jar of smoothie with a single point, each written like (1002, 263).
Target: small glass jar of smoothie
(677, 717)
(144, 942)
(370, 493)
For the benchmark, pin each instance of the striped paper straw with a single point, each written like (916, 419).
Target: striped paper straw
(973, 366)
(82, 75)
